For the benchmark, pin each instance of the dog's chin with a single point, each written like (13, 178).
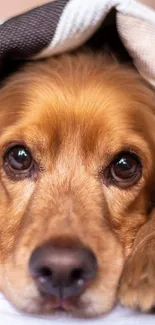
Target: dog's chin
(81, 307)
(49, 306)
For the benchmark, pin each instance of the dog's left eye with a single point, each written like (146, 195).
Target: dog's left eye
(18, 160)
(125, 169)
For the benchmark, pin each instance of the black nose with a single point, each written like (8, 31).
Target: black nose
(62, 271)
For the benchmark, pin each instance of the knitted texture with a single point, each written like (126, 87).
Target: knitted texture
(63, 25)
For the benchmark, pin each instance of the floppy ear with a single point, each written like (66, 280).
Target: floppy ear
(137, 286)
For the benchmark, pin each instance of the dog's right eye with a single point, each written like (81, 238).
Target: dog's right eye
(18, 161)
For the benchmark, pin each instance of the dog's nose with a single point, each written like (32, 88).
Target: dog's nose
(62, 271)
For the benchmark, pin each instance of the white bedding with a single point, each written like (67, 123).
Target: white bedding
(119, 316)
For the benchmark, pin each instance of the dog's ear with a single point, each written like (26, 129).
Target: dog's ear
(137, 287)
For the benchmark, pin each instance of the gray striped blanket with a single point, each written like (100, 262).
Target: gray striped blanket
(63, 25)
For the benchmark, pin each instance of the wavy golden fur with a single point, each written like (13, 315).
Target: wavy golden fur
(75, 113)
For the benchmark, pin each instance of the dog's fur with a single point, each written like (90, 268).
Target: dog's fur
(75, 113)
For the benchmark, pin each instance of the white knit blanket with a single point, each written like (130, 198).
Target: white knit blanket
(66, 24)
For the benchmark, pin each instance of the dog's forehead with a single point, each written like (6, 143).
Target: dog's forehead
(71, 103)
(91, 110)
(92, 101)
(87, 115)
(104, 122)
(83, 96)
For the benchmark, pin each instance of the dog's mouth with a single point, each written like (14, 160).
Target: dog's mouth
(50, 304)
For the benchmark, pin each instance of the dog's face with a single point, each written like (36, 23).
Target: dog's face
(76, 177)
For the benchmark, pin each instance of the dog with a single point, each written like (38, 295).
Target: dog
(77, 175)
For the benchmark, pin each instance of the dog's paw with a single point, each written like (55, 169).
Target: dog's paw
(137, 287)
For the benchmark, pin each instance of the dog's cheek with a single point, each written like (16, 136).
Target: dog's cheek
(102, 295)
(14, 201)
(127, 212)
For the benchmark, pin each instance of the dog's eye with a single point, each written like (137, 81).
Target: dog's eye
(18, 160)
(125, 169)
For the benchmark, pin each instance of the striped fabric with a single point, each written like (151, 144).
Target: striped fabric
(63, 25)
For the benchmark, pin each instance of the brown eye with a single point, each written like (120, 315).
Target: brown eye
(18, 161)
(125, 169)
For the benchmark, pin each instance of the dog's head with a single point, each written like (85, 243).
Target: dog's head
(77, 150)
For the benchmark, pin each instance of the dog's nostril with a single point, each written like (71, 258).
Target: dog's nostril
(44, 272)
(76, 274)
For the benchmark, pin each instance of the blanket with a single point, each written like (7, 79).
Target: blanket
(64, 25)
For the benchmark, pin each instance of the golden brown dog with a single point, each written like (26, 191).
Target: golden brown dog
(77, 172)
